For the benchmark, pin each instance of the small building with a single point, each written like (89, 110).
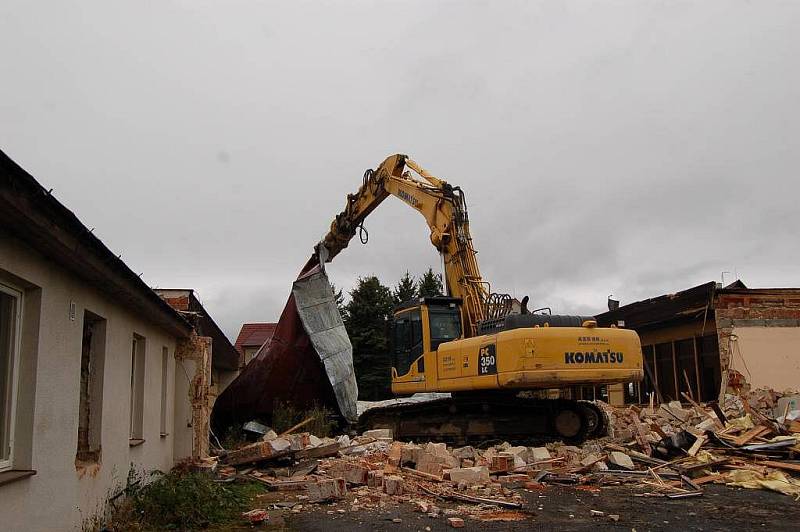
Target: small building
(98, 374)
(251, 337)
(708, 339)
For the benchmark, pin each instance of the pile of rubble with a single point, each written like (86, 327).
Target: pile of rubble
(670, 450)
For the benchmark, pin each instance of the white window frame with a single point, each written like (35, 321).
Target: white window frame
(8, 463)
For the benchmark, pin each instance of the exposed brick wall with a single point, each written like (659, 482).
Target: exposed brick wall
(178, 303)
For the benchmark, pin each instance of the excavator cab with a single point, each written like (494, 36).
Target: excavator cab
(418, 327)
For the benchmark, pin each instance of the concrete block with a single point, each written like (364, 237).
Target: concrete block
(540, 453)
(464, 452)
(327, 490)
(280, 445)
(410, 454)
(379, 433)
(352, 472)
(470, 475)
(622, 460)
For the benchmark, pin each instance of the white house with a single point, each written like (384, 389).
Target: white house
(90, 361)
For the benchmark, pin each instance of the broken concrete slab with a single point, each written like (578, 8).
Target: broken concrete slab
(621, 460)
(539, 454)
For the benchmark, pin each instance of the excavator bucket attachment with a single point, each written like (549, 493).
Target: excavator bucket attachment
(309, 360)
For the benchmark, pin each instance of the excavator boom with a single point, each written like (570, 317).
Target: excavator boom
(444, 209)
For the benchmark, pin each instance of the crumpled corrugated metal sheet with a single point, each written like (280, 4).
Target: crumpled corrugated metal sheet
(299, 365)
(316, 305)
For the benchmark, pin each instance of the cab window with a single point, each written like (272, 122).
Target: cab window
(407, 340)
(445, 325)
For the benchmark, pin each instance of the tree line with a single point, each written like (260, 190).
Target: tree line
(366, 317)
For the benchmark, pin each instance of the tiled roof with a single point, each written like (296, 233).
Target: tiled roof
(254, 335)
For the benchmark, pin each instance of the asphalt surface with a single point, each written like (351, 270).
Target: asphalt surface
(567, 508)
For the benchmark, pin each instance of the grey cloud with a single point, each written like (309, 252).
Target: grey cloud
(630, 148)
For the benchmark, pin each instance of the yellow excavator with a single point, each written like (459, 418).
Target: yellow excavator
(472, 343)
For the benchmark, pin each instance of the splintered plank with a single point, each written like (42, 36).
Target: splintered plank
(751, 434)
(699, 442)
(781, 465)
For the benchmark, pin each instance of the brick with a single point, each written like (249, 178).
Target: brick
(327, 490)
(502, 462)
(395, 453)
(251, 453)
(393, 485)
(455, 522)
(375, 479)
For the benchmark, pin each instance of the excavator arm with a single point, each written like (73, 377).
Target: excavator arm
(444, 209)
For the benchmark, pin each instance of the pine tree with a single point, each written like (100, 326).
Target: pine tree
(405, 290)
(430, 284)
(367, 315)
(339, 298)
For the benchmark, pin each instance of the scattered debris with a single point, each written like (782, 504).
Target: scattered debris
(671, 451)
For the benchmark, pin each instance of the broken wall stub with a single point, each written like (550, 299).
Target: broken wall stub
(194, 355)
(758, 330)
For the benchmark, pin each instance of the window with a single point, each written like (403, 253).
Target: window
(164, 381)
(10, 319)
(137, 387)
(90, 406)
(407, 340)
(445, 326)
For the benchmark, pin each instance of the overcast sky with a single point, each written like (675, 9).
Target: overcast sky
(631, 147)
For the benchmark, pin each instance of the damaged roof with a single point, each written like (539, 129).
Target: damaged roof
(185, 301)
(682, 306)
(254, 335)
(30, 212)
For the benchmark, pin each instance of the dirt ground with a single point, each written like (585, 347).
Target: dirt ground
(567, 508)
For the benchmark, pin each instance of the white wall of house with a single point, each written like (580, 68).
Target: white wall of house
(60, 496)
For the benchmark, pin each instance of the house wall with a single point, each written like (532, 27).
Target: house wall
(759, 335)
(62, 495)
(768, 356)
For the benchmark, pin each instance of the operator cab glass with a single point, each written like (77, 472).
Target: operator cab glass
(445, 324)
(407, 340)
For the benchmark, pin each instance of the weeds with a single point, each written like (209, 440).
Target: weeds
(182, 500)
(285, 416)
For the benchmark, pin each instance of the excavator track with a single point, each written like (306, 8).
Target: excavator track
(473, 419)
